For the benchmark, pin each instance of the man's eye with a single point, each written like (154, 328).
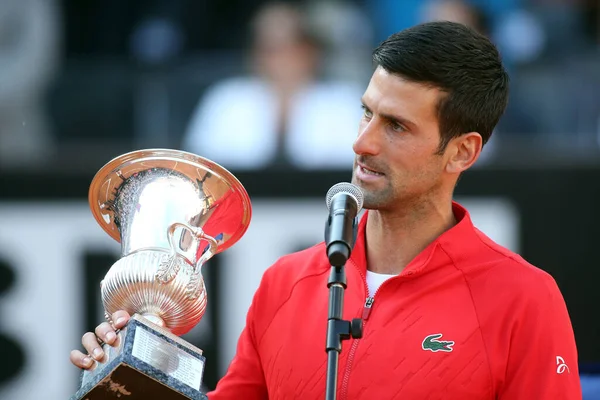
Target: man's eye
(366, 112)
(397, 127)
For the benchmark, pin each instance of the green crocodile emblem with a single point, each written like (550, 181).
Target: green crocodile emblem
(432, 343)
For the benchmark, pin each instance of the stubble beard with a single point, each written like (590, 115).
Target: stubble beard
(375, 199)
(379, 200)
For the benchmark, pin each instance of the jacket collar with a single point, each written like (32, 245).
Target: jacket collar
(455, 242)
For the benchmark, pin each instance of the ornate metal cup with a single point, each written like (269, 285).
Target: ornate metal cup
(171, 211)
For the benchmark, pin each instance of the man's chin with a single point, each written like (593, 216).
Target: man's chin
(375, 199)
(369, 207)
(369, 199)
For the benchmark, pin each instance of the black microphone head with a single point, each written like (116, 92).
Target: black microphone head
(346, 188)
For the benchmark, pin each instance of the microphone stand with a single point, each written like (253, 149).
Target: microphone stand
(337, 328)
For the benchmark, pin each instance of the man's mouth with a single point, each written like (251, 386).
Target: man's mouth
(369, 171)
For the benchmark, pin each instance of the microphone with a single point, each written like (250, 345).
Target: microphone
(344, 201)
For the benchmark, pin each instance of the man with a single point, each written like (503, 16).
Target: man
(458, 316)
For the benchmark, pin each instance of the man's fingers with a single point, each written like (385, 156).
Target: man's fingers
(120, 318)
(81, 360)
(106, 332)
(91, 345)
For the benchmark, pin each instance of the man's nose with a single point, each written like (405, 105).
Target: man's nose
(368, 141)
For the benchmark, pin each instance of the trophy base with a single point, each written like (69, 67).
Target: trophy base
(148, 363)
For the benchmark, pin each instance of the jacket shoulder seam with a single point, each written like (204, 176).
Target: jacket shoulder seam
(510, 256)
(485, 344)
(289, 296)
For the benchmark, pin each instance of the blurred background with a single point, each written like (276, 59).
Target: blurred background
(272, 92)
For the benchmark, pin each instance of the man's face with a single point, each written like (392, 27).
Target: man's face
(396, 161)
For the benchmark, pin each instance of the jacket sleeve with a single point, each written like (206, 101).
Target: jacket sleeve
(244, 377)
(542, 361)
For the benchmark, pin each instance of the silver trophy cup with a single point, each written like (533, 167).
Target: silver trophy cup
(171, 211)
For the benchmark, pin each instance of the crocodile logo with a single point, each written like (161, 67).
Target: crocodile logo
(432, 343)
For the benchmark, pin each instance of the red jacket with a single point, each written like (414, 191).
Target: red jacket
(466, 319)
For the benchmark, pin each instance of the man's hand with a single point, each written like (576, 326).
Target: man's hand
(104, 332)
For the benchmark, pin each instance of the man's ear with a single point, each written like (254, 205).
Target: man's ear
(464, 151)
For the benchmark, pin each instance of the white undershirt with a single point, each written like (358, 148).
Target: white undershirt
(374, 280)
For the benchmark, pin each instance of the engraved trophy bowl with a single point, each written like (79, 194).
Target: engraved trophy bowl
(171, 211)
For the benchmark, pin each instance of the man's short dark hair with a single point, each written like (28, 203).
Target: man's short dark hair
(462, 63)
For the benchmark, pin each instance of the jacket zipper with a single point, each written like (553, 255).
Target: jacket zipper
(346, 380)
(368, 306)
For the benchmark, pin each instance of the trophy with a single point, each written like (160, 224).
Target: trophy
(171, 211)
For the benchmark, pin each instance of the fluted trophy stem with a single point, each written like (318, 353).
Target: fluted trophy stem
(155, 319)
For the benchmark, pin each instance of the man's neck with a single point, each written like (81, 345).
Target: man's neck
(395, 238)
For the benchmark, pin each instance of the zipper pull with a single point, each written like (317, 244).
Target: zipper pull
(367, 308)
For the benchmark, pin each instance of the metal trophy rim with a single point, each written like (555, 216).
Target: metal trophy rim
(166, 156)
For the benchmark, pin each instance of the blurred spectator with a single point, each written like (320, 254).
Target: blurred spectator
(390, 16)
(457, 11)
(157, 41)
(515, 118)
(284, 113)
(29, 39)
(347, 33)
(563, 88)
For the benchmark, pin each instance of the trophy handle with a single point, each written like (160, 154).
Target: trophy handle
(171, 265)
